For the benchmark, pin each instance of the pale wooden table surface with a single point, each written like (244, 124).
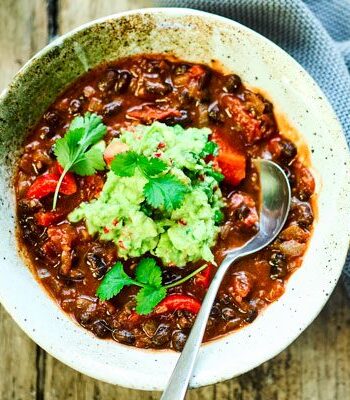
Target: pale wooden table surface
(316, 366)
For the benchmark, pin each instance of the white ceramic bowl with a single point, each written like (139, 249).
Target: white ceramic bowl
(199, 37)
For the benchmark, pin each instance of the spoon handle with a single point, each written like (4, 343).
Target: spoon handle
(179, 380)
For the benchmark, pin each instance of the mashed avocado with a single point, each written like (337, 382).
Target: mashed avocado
(121, 215)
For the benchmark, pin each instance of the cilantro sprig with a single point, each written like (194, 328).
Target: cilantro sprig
(148, 276)
(166, 190)
(75, 151)
(124, 164)
(161, 190)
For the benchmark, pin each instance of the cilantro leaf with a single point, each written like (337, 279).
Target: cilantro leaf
(62, 151)
(210, 148)
(89, 162)
(148, 272)
(219, 177)
(165, 191)
(218, 217)
(151, 167)
(74, 151)
(124, 164)
(94, 130)
(82, 133)
(113, 282)
(161, 191)
(148, 297)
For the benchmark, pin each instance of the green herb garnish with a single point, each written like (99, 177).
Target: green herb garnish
(166, 191)
(124, 164)
(160, 191)
(210, 148)
(218, 176)
(218, 217)
(113, 282)
(75, 151)
(148, 276)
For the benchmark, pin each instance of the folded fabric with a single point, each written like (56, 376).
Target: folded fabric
(315, 32)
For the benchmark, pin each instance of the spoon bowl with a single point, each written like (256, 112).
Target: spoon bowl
(275, 204)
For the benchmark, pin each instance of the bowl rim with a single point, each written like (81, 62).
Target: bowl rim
(89, 369)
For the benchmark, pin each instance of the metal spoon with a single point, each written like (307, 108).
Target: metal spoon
(275, 203)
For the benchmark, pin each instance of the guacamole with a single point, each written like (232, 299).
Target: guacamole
(121, 213)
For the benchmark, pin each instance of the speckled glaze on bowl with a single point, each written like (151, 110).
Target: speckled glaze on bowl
(197, 37)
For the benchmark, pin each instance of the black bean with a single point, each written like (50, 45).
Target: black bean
(204, 81)
(150, 327)
(156, 66)
(301, 213)
(158, 88)
(107, 82)
(251, 315)
(162, 335)
(268, 107)
(278, 265)
(288, 150)
(100, 329)
(86, 315)
(123, 336)
(112, 108)
(183, 119)
(307, 218)
(232, 83)
(52, 118)
(96, 264)
(184, 320)
(122, 81)
(74, 106)
(225, 299)
(215, 311)
(171, 275)
(242, 212)
(214, 112)
(228, 313)
(28, 206)
(178, 340)
(31, 231)
(180, 69)
(51, 152)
